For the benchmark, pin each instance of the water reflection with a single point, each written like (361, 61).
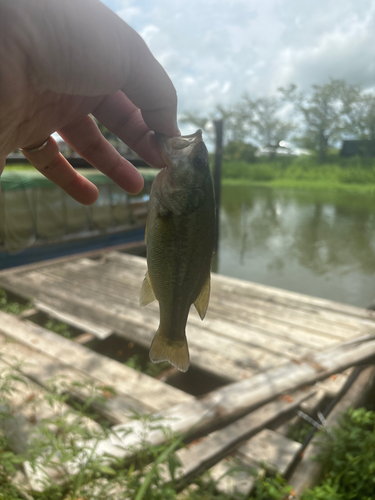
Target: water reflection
(314, 242)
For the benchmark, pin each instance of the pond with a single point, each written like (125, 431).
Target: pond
(320, 243)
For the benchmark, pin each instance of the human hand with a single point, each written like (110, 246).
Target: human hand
(61, 61)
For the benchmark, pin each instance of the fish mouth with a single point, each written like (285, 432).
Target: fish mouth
(171, 147)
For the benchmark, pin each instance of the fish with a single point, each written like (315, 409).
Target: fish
(180, 240)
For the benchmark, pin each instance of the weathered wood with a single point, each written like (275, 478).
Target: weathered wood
(235, 475)
(292, 299)
(251, 309)
(139, 327)
(243, 333)
(234, 478)
(230, 402)
(274, 450)
(267, 448)
(148, 391)
(275, 296)
(308, 472)
(29, 405)
(46, 370)
(228, 323)
(84, 338)
(72, 320)
(335, 383)
(219, 444)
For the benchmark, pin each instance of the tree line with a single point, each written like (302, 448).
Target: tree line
(315, 120)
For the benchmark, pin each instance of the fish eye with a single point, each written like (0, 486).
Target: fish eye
(199, 162)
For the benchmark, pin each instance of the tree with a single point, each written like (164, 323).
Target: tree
(325, 112)
(261, 118)
(360, 115)
(233, 127)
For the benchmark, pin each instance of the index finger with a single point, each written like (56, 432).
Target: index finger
(124, 119)
(149, 87)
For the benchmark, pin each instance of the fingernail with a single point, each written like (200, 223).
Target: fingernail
(162, 121)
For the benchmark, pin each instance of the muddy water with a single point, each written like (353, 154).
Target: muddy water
(320, 243)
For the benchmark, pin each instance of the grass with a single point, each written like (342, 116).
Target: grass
(348, 458)
(12, 306)
(140, 364)
(20, 166)
(303, 172)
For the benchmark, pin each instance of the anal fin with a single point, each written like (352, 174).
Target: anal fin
(201, 303)
(147, 294)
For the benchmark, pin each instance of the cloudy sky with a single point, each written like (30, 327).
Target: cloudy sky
(214, 50)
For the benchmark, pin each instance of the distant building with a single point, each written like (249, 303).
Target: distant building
(357, 148)
(281, 149)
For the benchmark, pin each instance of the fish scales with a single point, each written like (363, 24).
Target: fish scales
(180, 241)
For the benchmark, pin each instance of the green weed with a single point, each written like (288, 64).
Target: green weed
(302, 172)
(137, 362)
(348, 460)
(58, 327)
(10, 306)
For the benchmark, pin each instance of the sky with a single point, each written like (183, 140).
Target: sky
(215, 50)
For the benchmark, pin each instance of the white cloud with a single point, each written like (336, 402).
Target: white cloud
(215, 50)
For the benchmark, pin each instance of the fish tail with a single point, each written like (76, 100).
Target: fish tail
(174, 351)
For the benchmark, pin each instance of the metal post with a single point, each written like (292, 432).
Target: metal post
(217, 173)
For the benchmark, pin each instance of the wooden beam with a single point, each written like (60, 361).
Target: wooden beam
(307, 473)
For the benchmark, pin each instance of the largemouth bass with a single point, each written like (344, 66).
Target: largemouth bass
(180, 238)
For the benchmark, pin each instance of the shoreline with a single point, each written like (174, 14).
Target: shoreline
(303, 185)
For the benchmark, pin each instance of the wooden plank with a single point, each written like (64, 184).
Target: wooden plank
(29, 406)
(335, 383)
(100, 332)
(246, 335)
(241, 332)
(149, 391)
(217, 445)
(235, 322)
(265, 448)
(227, 305)
(233, 478)
(230, 402)
(319, 307)
(267, 293)
(308, 472)
(266, 319)
(292, 299)
(45, 369)
(140, 331)
(276, 451)
(141, 327)
(252, 309)
(269, 323)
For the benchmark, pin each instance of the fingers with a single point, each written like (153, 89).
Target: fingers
(149, 87)
(51, 163)
(86, 139)
(124, 119)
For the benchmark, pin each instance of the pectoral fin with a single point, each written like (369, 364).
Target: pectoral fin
(147, 293)
(201, 303)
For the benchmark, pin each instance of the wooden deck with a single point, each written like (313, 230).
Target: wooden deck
(256, 343)
(249, 328)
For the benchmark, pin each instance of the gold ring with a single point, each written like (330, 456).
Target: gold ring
(34, 150)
